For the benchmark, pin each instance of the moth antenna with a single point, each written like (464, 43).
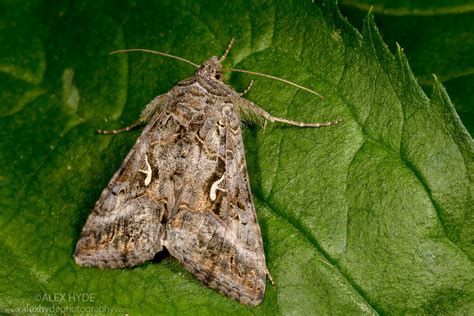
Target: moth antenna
(154, 52)
(229, 47)
(275, 78)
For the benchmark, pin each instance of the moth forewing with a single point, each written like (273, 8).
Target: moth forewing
(184, 186)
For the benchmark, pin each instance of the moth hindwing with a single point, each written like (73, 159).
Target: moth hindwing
(184, 186)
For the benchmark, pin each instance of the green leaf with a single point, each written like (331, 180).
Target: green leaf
(437, 37)
(370, 216)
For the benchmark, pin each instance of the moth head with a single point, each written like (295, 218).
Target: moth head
(212, 68)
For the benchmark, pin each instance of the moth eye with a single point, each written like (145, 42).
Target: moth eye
(218, 76)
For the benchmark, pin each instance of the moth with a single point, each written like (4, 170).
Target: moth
(184, 187)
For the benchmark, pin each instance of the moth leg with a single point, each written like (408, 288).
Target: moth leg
(247, 89)
(150, 109)
(269, 276)
(229, 47)
(120, 130)
(250, 108)
(153, 107)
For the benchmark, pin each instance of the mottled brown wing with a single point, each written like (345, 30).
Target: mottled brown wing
(213, 230)
(125, 228)
(184, 185)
